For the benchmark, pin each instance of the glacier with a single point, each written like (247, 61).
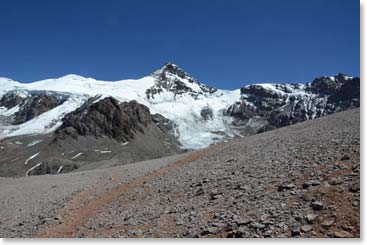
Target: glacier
(184, 110)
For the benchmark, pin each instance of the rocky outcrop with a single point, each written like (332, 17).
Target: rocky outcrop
(279, 105)
(112, 119)
(106, 118)
(10, 100)
(34, 106)
(164, 124)
(31, 104)
(172, 78)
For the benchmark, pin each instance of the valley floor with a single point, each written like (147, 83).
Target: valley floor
(298, 181)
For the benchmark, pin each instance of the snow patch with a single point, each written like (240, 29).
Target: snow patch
(31, 157)
(9, 112)
(77, 155)
(60, 169)
(34, 142)
(102, 152)
(35, 166)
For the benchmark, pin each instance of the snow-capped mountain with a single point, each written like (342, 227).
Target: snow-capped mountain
(201, 115)
(169, 91)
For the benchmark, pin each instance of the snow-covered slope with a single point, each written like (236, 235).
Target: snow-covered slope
(203, 114)
(7, 84)
(45, 123)
(183, 108)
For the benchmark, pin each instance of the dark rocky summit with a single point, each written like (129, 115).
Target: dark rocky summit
(170, 77)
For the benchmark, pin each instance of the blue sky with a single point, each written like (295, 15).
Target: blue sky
(224, 43)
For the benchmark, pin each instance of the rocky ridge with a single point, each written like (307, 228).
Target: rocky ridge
(264, 107)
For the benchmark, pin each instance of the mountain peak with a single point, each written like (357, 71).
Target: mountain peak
(171, 68)
(170, 64)
(174, 79)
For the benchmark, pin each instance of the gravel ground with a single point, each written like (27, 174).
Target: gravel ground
(298, 181)
(30, 203)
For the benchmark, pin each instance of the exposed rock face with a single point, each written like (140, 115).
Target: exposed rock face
(107, 117)
(173, 79)
(9, 100)
(31, 104)
(164, 124)
(325, 85)
(110, 118)
(280, 105)
(348, 93)
(35, 106)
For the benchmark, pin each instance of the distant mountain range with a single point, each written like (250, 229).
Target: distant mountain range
(165, 112)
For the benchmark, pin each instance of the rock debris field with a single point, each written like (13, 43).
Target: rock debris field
(298, 181)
